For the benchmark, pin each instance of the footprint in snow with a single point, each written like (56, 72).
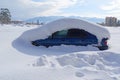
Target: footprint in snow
(79, 74)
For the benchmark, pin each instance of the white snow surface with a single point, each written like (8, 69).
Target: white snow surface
(64, 24)
(22, 61)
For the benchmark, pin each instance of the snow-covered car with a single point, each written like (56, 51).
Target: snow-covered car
(68, 31)
(78, 37)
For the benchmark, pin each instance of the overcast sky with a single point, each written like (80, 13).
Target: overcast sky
(24, 9)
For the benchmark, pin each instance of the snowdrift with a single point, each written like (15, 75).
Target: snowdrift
(79, 60)
(63, 24)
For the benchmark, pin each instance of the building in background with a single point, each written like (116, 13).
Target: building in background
(111, 21)
(118, 23)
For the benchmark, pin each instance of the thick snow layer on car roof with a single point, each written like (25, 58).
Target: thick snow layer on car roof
(63, 24)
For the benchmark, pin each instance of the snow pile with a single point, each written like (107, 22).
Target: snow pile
(87, 74)
(100, 60)
(55, 50)
(91, 66)
(63, 24)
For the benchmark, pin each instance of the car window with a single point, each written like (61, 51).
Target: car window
(76, 33)
(60, 34)
(71, 33)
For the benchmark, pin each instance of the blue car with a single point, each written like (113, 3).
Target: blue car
(76, 37)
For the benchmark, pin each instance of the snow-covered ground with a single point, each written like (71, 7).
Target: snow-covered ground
(22, 61)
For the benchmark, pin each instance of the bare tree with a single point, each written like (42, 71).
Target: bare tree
(5, 16)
